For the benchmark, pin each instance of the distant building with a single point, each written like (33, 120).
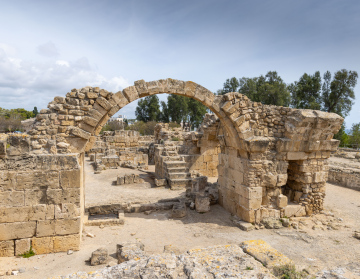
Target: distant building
(118, 118)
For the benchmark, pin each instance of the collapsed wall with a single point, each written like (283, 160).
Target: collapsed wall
(113, 149)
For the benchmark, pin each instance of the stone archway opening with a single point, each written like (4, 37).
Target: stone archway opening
(42, 173)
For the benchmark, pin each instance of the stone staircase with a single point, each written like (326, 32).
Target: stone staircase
(176, 173)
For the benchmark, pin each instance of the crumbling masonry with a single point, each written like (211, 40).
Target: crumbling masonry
(268, 154)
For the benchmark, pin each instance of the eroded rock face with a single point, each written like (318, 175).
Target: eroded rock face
(227, 261)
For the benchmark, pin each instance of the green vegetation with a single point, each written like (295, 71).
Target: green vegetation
(29, 253)
(249, 268)
(178, 109)
(289, 271)
(330, 94)
(175, 139)
(10, 119)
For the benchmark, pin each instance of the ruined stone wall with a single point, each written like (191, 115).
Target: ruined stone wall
(267, 153)
(41, 199)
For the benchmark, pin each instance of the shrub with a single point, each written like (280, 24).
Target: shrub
(288, 271)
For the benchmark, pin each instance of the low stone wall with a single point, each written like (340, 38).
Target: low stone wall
(347, 177)
(41, 199)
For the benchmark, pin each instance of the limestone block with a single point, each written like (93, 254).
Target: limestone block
(120, 99)
(70, 178)
(7, 248)
(296, 156)
(250, 204)
(99, 256)
(100, 109)
(67, 226)
(131, 93)
(12, 198)
(93, 113)
(86, 127)
(66, 242)
(120, 180)
(264, 253)
(14, 214)
(294, 210)
(202, 203)
(297, 196)
(80, 133)
(281, 179)
(319, 177)
(50, 212)
(251, 192)
(17, 145)
(270, 180)
(42, 245)
(17, 230)
(45, 228)
(90, 121)
(66, 211)
(104, 103)
(37, 212)
(54, 196)
(22, 246)
(281, 201)
(178, 210)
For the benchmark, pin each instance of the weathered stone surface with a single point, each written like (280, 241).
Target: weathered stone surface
(202, 203)
(17, 230)
(7, 248)
(264, 253)
(22, 246)
(130, 251)
(178, 210)
(228, 261)
(99, 256)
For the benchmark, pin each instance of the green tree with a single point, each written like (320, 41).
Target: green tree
(354, 138)
(35, 111)
(164, 114)
(269, 89)
(178, 108)
(196, 112)
(148, 109)
(338, 95)
(306, 93)
(230, 85)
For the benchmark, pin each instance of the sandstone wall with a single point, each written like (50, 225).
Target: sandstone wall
(41, 199)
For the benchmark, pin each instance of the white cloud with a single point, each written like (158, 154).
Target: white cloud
(48, 49)
(27, 84)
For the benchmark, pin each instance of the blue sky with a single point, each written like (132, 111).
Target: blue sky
(49, 47)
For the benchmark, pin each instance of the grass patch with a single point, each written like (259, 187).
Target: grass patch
(288, 271)
(175, 139)
(249, 268)
(28, 254)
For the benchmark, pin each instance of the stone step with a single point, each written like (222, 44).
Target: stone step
(106, 219)
(178, 175)
(174, 164)
(170, 153)
(177, 184)
(176, 170)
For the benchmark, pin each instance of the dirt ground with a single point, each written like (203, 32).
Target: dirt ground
(312, 245)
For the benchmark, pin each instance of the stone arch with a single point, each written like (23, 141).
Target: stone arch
(258, 142)
(264, 149)
(77, 118)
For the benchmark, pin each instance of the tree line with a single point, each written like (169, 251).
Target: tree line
(178, 109)
(330, 93)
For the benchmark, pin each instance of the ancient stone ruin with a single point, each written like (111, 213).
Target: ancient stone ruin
(271, 161)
